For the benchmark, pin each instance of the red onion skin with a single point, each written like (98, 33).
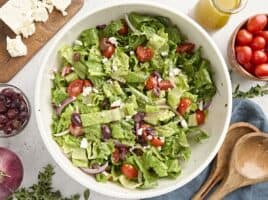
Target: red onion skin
(11, 172)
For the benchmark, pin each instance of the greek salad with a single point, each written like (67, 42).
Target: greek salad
(129, 99)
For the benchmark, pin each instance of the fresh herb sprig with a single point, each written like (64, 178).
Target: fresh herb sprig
(254, 91)
(43, 190)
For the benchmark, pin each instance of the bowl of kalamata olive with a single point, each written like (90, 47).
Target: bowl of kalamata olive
(248, 48)
(14, 110)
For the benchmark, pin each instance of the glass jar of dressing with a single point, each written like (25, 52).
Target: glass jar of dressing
(214, 14)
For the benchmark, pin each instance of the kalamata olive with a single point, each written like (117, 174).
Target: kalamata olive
(8, 102)
(138, 117)
(23, 116)
(23, 106)
(2, 98)
(12, 113)
(3, 119)
(102, 26)
(105, 104)
(15, 104)
(123, 153)
(76, 57)
(76, 120)
(76, 130)
(8, 92)
(136, 127)
(106, 132)
(3, 108)
(8, 129)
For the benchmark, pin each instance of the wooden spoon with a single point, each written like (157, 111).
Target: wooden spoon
(220, 164)
(248, 164)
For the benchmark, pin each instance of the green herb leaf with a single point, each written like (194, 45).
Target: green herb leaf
(254, 91)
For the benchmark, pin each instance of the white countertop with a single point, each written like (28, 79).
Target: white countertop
(29, 146)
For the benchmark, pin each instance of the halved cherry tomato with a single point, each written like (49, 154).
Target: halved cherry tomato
(107, 48)
(244, 37)
(200, 117)
(124, 29)
(264, 34)
(157, 142)
(151, 83)
(165, 85)
(259, 57)
(243, 54)
(256, 23)
(185, 47)
(129, 171)
(116, 155)
(75, 88)
(258, 43)
(261, 70)
(144, 54)
(184, 105)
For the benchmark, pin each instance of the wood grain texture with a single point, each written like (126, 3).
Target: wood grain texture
(44, 32)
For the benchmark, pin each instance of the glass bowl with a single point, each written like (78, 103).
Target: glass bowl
(15, 110)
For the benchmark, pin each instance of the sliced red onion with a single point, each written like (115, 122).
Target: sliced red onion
(66, 70)
(138, 117)
(132, 28)
(104, 44)
(63, 104)
(106, 132)
(207, 105)
(97, 170)
(76, 119)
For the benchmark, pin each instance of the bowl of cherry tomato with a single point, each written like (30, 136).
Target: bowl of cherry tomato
(248, 48)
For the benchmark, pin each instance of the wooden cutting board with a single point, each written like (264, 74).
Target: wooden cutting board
(44, 32)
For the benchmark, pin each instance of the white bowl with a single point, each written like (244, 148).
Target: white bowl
(218, 118)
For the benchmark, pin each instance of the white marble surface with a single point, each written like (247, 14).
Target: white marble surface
(29, 146)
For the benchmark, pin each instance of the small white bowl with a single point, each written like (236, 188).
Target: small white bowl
(218, 118)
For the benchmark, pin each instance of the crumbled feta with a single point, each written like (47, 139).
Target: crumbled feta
(114, 68)
(48, 5)
(131, 52)
(159, 148)
(164, 53)
(86, 91)
(128, 117)
(39, 13)
(116, 103)
(174, 72)
(72, 68)
(28, 30)
(139, 132)
(78, 42)
(183, 123)
(149, 137)
(104, 60)
(95, 90)
(105, 173)
(113, 40)
(61, 5)
(84, 143)
(16, 47)
(162, 139)
(201, 105)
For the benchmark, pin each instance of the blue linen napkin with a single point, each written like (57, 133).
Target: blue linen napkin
(243, 111)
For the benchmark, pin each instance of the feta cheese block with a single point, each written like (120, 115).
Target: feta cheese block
(61, 5)
(16, 47)
(40, 13)
(27, 30)
(16, 14)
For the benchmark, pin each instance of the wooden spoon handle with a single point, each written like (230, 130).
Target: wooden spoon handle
(214, 177)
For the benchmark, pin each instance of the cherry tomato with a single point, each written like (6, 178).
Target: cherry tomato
(200, 117)
(165, 85)
(185, 47)
(129, 171)
(151, 83)
(256, 23)
(243, 54)
(249, 67)
(244, 37)
(258, 43)
(75, 88)
(259, 57)
(183, 105)
(261, 70)
(107, 48)
(264, 34)
(124, 29)
(144, 53)
(116, 155)
(157, 142)
(87, 83)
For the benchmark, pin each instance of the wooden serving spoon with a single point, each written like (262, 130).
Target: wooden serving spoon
(248, 164)
(220, 164)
